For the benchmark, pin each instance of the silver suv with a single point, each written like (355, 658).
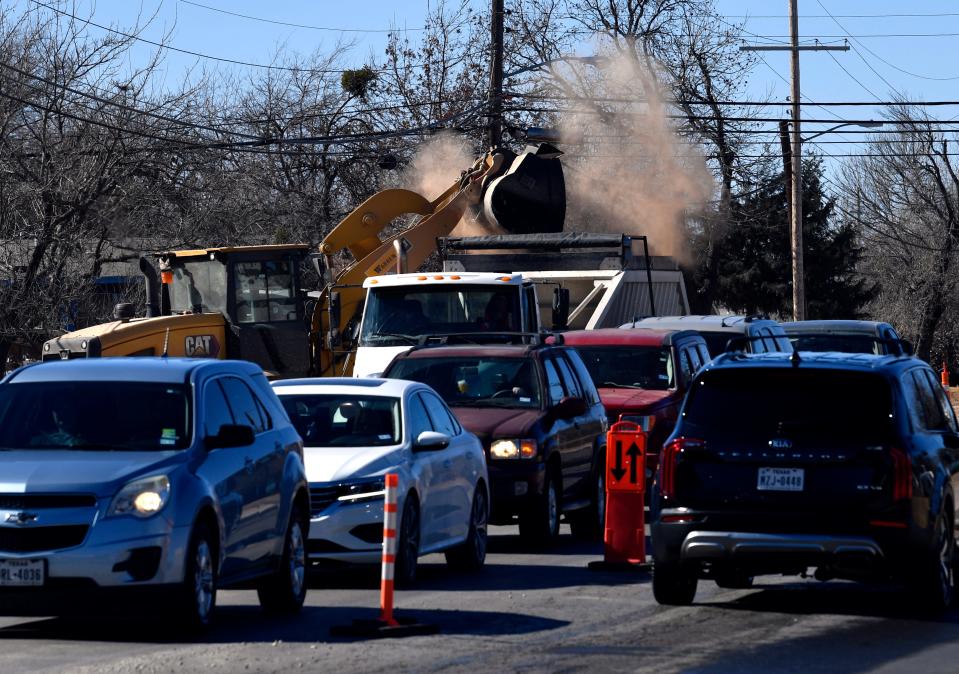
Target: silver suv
(156, 479)
(752, 334)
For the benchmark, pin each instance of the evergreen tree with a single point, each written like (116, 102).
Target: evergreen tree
(755, 259)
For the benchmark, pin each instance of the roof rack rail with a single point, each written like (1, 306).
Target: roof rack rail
(535, 339)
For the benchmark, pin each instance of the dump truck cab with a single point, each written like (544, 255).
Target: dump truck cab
(402, 310)
(242, 302)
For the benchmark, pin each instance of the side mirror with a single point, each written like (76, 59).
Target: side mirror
(231, 435)
(334, 310)
(570, 407)
(431, 441)
(560, 308)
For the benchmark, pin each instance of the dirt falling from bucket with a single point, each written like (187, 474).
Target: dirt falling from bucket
(627, 170)
(437, 164)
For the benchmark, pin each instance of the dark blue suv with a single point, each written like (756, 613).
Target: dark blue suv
(157, 480)
(781, 462)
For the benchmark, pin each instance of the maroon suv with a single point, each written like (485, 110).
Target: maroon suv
(641, 372)
(541, 422)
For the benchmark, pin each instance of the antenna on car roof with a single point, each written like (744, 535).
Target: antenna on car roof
(166, 343)
(795, 359)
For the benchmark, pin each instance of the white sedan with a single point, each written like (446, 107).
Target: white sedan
(355, 431)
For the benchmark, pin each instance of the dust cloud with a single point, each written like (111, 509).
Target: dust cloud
(438, 163)
(627, 170)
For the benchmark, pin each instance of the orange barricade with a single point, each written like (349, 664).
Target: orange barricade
(625, 531)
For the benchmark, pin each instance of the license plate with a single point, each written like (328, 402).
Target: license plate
(22, 572)
(781, 479)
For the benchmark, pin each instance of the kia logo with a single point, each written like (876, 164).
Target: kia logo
(21, 518)
(781, 443)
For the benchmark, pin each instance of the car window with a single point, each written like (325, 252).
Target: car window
(944, 403)
(585, 380)
(694, 361)
(553, 383)
(95, 415)
(569, 379)
(344, 420)
(216, 410)
(927, 408)
(937, 401)
(246, 409)
(416, 417)
(703, 353)
(686, 366)
(474, 381)
(438, 414)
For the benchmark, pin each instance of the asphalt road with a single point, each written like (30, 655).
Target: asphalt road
(526, 611)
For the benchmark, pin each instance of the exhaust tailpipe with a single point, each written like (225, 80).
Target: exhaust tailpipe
(152, 280)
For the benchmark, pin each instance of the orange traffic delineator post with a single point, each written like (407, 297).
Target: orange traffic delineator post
(624, 536)
(387, 625)
(944, 375)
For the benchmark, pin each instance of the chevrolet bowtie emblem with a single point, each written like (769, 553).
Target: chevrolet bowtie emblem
(21, 518)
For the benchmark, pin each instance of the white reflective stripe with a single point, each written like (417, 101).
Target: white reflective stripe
(387, 572)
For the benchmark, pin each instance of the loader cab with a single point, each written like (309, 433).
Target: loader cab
(257, 288)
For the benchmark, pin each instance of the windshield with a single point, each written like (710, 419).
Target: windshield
(94, 415)
(199, 287)
(396, 316)
(842, 343)
(475, 381)
(766, 403)
(344, 420)
(621, 366)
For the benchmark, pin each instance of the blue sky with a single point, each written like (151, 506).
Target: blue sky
(923, 45)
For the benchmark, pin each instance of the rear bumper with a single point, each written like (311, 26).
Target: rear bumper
(738, 546)
(788, 543)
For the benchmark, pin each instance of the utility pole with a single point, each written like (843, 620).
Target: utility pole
(496, 76)
(787, 166)
(799, 280)
(795, 165)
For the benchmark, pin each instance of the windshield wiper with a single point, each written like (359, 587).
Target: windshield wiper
(411, 339)
(97, 446)
(612, 384)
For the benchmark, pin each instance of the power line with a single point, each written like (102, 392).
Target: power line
(187, 51)
(300, 25)
(600, 99)
(853, 77)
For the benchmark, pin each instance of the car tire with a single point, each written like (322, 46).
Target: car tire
(540, 522)
(733, 580)
(284, 591)
(195, 600)
(936, 576)
(470, 555)
(674, 584)
(589, 523)
(408, 544)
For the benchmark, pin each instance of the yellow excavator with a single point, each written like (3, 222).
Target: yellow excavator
(247, 302)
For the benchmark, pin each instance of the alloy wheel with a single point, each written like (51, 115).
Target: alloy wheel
(203, 581)
(297, 557)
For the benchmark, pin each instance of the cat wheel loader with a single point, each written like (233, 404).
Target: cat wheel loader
(248, 302)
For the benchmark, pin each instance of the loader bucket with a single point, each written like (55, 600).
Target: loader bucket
(530, 197)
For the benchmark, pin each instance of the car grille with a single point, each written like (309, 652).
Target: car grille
(35, 501)
(38, 539)
(322, 498)
(369, 533)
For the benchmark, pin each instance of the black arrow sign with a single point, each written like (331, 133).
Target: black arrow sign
(633, 453)
(618, 472)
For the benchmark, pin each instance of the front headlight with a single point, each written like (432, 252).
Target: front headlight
(513, 449)
(372, 490)
(142, 498)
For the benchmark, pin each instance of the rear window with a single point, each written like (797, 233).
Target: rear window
(753, 402)
(842, 343)
(648, 367)
(716, 341)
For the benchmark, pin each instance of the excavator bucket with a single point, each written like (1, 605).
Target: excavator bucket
(530, 197)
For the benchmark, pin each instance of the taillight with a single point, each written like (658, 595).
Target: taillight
(668, 461)
(901, 474)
